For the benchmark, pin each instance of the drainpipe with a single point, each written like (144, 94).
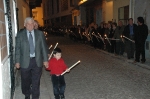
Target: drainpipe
(131, 9)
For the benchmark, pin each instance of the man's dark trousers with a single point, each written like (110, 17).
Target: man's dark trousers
(140, 49)
(31, 76)
(119, 48)
(130, 49)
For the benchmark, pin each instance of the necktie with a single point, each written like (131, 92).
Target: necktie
(31, 43)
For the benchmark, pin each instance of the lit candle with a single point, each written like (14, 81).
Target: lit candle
(107, 39)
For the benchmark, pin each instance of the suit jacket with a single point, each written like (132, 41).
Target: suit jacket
(126, 31)
(118, 33)
(22, 48)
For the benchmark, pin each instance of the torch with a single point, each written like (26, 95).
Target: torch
(107, 39)
(101, 38)
(95, 36)
(52, 51)
(122, 38)
(70, 67)
(128, 39)
(50, 47)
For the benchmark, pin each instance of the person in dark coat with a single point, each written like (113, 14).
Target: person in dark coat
(140, 38)
(129, 32)
(113, 42)
(119, 43)
(109, 34)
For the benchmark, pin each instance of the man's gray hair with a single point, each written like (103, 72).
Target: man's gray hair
(28, 19)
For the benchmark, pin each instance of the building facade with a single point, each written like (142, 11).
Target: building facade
(37, 14)
(58, 12)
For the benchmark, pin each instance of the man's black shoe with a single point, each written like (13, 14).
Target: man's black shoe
(27, 97)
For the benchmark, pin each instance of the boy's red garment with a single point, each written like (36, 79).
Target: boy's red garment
(56, 66)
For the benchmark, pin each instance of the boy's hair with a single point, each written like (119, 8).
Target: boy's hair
(57, 50)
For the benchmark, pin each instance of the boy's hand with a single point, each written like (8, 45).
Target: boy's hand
(68, 70)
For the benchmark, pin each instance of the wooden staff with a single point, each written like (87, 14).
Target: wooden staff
(95, 36)
(52, 51)
(128, 39)
(107, 39)
(101, 38)
(70, 67)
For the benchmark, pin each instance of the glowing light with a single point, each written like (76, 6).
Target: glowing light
(82, 1)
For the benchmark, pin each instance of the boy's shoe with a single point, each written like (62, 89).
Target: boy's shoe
(57, 97)
(62, 97)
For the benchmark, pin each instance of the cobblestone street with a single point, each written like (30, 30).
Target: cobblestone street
(100, 75)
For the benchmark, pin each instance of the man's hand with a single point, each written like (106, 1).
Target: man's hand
(17, 65)
(45, 64)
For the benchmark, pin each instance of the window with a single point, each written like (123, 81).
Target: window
(123, 14)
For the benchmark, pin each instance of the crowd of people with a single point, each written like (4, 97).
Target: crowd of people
(113, 37)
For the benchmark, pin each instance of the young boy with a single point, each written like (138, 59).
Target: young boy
(56, 67)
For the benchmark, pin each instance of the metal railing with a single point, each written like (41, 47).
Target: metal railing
(8, 14)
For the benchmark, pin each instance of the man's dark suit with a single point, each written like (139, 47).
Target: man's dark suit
(130, 46)
(31, 68)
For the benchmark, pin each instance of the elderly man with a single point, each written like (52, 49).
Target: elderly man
(30, 55)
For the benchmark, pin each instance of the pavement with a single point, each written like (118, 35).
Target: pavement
(100, 75)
